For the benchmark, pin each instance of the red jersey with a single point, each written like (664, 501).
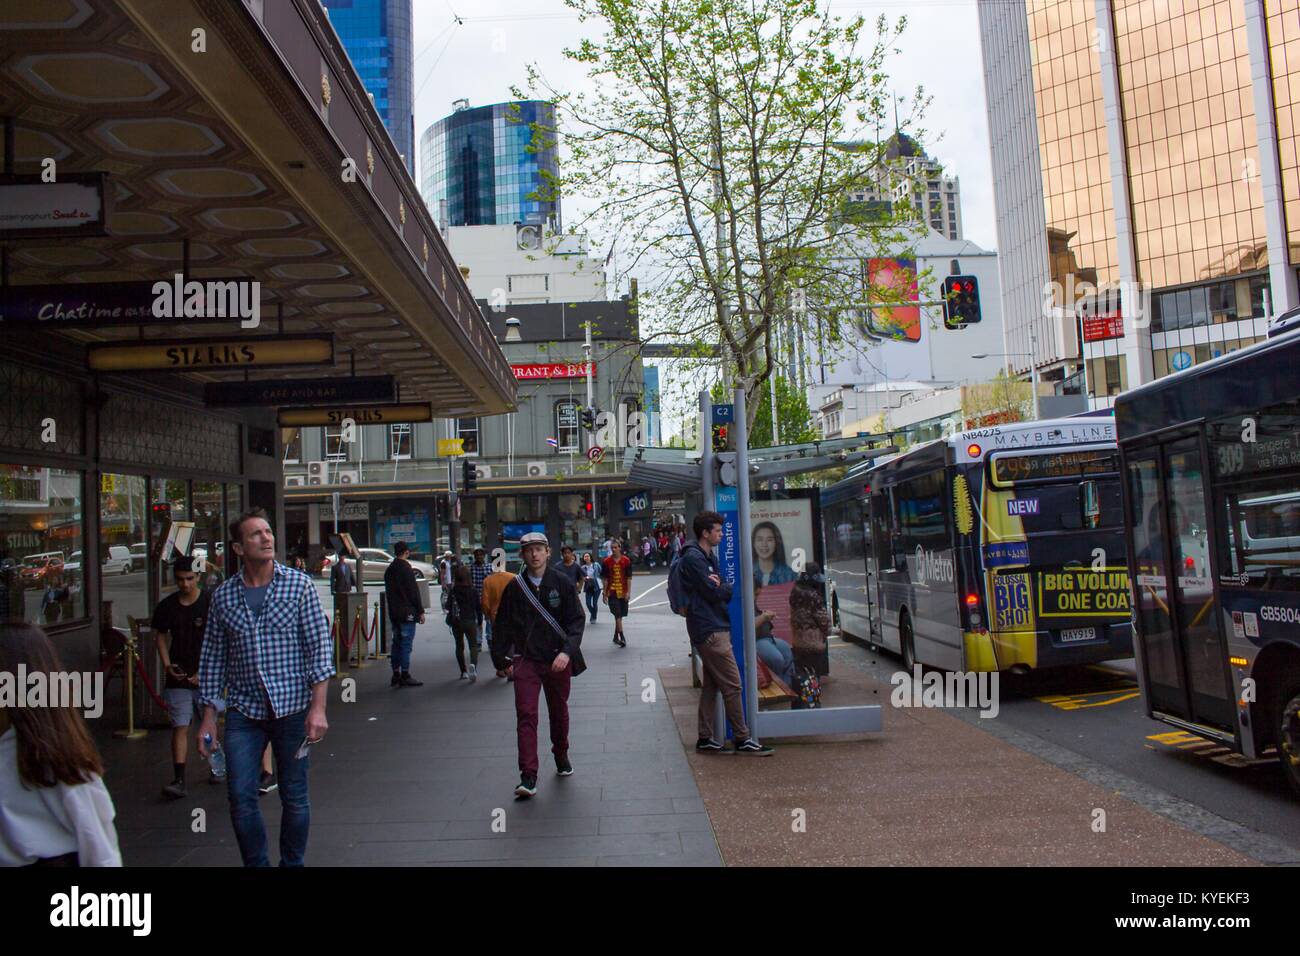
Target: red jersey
(618, 576)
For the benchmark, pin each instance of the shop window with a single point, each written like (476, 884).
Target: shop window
(291, 438)
(41, 561)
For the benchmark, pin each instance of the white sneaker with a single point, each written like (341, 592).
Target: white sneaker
(473, 673)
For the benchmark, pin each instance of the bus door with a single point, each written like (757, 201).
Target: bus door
(1183, 655)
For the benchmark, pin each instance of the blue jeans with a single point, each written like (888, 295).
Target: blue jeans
(593, 602)
(778, 656)
(403, 638)
(244, 742)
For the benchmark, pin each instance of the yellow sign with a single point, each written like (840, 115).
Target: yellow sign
(107, 484)
(207, 354)
(361, 414)
(450, 447)
(1078, 592)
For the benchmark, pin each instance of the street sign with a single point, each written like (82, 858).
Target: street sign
(211, 354)
(596, 454)
(361, 414)
(724, 414)
(306, 391)
(450, 447)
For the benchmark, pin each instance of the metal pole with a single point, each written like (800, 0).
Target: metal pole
(776, 431)
(746, 561)
(1033, 367)
(453, 522)
(595, 503)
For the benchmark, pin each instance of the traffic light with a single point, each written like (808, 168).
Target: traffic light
(468, 476)
(589, 418)
(961, 301)
(721, 437)
(162, 511)
(586, 506)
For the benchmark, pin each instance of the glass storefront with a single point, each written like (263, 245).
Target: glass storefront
(123, 515)
(41, 556)
(576, 527)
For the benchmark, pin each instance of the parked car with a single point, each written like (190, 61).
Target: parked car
(36, 566)
(375, 562)
(139, 556)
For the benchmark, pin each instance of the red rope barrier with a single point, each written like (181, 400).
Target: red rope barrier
(139, 666)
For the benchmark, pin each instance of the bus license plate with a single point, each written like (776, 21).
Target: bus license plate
(1071, 634)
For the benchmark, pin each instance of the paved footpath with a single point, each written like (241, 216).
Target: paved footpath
(416, 776)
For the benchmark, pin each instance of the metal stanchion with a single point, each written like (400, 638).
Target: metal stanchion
(131, 732)
(359, 638)
(384, 637)
(373, 635)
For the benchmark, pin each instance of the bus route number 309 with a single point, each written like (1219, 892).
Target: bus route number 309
(1011, 601)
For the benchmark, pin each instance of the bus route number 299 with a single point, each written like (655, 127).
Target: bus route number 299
(1011, 601)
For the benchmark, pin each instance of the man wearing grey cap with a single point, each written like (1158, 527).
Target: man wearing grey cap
(536, 638)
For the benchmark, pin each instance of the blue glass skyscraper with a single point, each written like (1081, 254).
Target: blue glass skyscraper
(377, 36)
(479, 160)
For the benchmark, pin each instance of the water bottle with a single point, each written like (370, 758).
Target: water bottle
(216, 758)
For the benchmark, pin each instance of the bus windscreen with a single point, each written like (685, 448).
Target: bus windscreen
(1011, 469)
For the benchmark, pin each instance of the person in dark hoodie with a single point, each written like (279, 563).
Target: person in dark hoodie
(405, 611)
(536, 639)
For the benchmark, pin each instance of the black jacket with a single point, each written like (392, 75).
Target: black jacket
(520, 630)
(707, 612)
(403, 593)
(342, 579)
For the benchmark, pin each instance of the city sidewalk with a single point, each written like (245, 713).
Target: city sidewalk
(414, 776)
(930, 790)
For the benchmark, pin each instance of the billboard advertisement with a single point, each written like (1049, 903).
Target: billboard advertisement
(781, 546)
(901, 322)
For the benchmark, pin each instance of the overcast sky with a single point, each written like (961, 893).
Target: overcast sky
(484, 55)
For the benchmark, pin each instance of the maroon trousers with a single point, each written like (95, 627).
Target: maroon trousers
(531, 678)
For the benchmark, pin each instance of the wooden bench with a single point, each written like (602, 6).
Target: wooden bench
(776, 692)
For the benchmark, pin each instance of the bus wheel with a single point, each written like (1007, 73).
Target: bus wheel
(1288, 735)
(905, 639)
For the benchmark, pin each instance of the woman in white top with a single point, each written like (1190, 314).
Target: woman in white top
(54, 808)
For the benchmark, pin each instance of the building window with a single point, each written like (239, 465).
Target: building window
(41, 561)
(336, 449)
(399, 441)
(291, 438)
(467, 431)
(566, 426)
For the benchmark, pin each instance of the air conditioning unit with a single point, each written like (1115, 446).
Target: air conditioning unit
(528, 237)
(537, 469)
(295, 481)
(349, 477)
(315, 480)
(483, 472)
(316, 469)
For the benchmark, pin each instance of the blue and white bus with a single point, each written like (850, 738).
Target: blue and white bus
(1211, 460)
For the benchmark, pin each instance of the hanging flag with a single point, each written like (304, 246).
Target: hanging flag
(553, 442)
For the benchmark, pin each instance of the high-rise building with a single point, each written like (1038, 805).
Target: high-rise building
(909, 175)
(489, 165)
(377, 36)
(1149, 149)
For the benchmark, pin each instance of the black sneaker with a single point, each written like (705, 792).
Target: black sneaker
(409, 681)
(563, 767)
(527, 787)
(174, 790)
(396, 681)
(707, 745)
(266, 783)
(752, 747)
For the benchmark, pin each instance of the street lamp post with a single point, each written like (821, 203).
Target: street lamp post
(1033, 364)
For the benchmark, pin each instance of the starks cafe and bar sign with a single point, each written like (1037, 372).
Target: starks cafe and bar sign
(530, 372)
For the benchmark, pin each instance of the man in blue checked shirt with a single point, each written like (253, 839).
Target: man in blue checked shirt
(267, 645)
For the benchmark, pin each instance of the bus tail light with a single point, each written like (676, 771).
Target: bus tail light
(1238, 661)
(972, 599)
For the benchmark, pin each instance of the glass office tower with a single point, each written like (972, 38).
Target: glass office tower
(377, 36)
(489, 166)
(1144, 144)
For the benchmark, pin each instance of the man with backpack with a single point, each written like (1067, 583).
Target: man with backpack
(697, 591)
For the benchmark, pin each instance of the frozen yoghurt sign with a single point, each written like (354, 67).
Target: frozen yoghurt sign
(31, 208)
(528, 372)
